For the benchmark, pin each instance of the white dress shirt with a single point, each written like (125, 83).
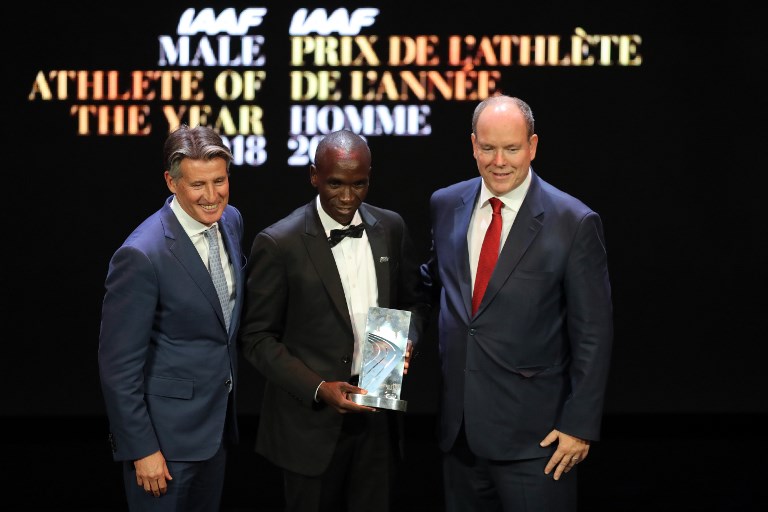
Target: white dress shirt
(481, 218)
(196, 232)
(354, 261)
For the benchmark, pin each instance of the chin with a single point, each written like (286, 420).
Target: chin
(210, 218)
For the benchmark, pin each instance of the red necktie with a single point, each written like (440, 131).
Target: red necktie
(489, 253)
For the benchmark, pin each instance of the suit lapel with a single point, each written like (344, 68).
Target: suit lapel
(461, 217)
(322, 258)
(231, 241)
(182, 248)
(524, 231)
(377, 238)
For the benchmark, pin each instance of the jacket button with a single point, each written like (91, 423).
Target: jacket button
(228, 383)
(471, 332)
(346, 359)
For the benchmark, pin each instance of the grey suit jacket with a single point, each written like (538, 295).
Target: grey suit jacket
(535, 357)
(297, 331)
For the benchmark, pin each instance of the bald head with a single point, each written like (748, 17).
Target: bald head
(341, 174)
(342, 146)
(502, 101)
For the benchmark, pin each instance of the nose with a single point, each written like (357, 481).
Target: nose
(209, 192)
(346, 194)
(498, 159)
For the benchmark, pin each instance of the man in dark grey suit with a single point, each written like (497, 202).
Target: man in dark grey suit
(525, 355)
(167, 353)
(308, 295)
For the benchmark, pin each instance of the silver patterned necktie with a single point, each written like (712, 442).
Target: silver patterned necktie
(217, 273)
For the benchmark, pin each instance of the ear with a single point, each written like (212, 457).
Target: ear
(534, 142)
(474, 144)
(313, 175)
(169, 181)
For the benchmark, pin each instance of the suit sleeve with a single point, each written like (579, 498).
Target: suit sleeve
(430, 276)
(263, 323)
(127, 315)
(413, 294)
(590, 329)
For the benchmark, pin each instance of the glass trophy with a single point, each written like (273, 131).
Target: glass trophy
(383, 359)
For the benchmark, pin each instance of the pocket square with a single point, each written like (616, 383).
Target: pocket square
(383, 259)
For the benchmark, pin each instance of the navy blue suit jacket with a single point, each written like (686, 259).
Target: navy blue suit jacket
(535, 357)
(165, 356)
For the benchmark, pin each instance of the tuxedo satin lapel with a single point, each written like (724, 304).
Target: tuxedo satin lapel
(182, 248)
(524, 231)
(377, 238)
(322, 258)
(461, 217)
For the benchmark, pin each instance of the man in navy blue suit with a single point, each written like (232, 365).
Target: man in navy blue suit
(525, 355)
(167, 355)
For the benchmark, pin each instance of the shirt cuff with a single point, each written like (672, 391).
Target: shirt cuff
(318, 389)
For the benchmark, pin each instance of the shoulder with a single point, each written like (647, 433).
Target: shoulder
(149, 232)
(389, 221)
(232, 217)
(282, 239)
(456, 189)
(564, 210)
(380, 214)
(143, 247)
(563, 201)
(291, 225)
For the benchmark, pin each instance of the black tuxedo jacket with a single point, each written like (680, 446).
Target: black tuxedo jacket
(297, 331)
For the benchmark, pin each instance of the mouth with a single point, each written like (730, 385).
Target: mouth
(344, 215)
(210, 207)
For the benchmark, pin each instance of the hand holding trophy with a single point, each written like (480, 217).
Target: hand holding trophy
(383, 359)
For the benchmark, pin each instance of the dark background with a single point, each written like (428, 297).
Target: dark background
(670, 153)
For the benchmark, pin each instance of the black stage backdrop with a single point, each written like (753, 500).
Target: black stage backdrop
(652, 113)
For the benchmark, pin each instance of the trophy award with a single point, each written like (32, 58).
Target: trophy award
(383, 359)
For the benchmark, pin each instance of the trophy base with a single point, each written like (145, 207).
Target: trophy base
(379, 402)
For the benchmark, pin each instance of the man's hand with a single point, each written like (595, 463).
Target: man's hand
(408, 352)
(152, 474)
(335, 395)
(570, 451)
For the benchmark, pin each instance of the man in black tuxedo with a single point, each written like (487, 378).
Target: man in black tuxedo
(308, 294)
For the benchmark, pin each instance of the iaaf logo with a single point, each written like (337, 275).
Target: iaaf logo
(339, 21)
(227, 22)
(303, 22)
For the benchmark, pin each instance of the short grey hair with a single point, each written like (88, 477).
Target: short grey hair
(199, 143)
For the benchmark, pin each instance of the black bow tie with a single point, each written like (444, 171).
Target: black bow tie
(337, 235)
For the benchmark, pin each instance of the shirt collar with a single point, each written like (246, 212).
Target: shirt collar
(512, 199)
(329, 223)
(191, 226)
